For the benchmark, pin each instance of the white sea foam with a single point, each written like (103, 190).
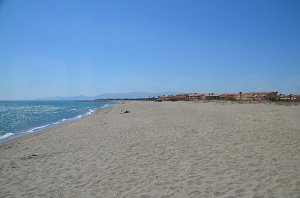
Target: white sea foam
(6, 135)
(63, 119)
(37, 128)
(90, 111)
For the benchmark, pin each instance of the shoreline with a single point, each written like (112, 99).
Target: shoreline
(167, 149)
(51, 125)
(28, 136)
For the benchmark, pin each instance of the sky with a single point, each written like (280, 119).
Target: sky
(83, 47)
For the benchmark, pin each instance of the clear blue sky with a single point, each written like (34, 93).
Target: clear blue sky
(69, 47)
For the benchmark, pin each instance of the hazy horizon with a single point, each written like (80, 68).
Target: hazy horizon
(70, 48)
(125, 95)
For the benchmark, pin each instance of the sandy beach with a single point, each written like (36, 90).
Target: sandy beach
(160, 149)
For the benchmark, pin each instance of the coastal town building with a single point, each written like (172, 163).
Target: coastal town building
(250, 96)
(210, 96)
(257, 96)
(289, 97)
(247, 96)
(165, 97)
(182, 96)
(195, 96)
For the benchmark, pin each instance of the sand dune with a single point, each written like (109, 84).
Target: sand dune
(168, 149)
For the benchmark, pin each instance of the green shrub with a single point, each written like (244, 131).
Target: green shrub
(229, 99)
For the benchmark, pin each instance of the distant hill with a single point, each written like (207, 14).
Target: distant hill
(134, 94)
(111, 95)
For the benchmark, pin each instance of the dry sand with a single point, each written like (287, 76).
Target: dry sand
(168, 149)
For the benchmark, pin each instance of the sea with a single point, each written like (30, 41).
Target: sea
(18, 118)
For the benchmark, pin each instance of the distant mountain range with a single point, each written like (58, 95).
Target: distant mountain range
(112, 95)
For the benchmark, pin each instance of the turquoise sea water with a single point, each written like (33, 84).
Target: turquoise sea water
(20, 117)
